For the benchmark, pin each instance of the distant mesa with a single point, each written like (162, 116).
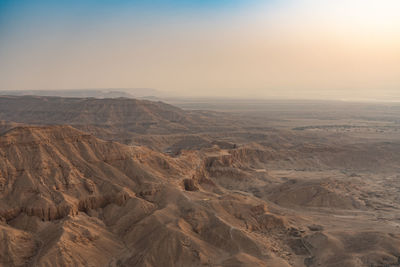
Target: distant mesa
(84, 93)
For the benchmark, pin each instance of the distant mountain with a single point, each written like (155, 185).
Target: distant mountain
(119, 119)
(125, 114)
(96, 93)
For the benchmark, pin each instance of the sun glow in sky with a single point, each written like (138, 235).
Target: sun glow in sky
(288, 48)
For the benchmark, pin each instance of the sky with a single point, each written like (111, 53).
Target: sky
(342, 49)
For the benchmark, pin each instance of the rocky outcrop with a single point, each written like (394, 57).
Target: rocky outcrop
(50, 212)
(190, 185)
(70, 199)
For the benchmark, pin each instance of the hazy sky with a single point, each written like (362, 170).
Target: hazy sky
(243, 48)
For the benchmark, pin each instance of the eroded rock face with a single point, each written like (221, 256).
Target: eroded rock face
(53, 172)
(71, 190)
(70, 199)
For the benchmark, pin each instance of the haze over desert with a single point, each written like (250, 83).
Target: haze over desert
(200, 133)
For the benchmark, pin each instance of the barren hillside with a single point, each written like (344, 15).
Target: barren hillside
(68, 198)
